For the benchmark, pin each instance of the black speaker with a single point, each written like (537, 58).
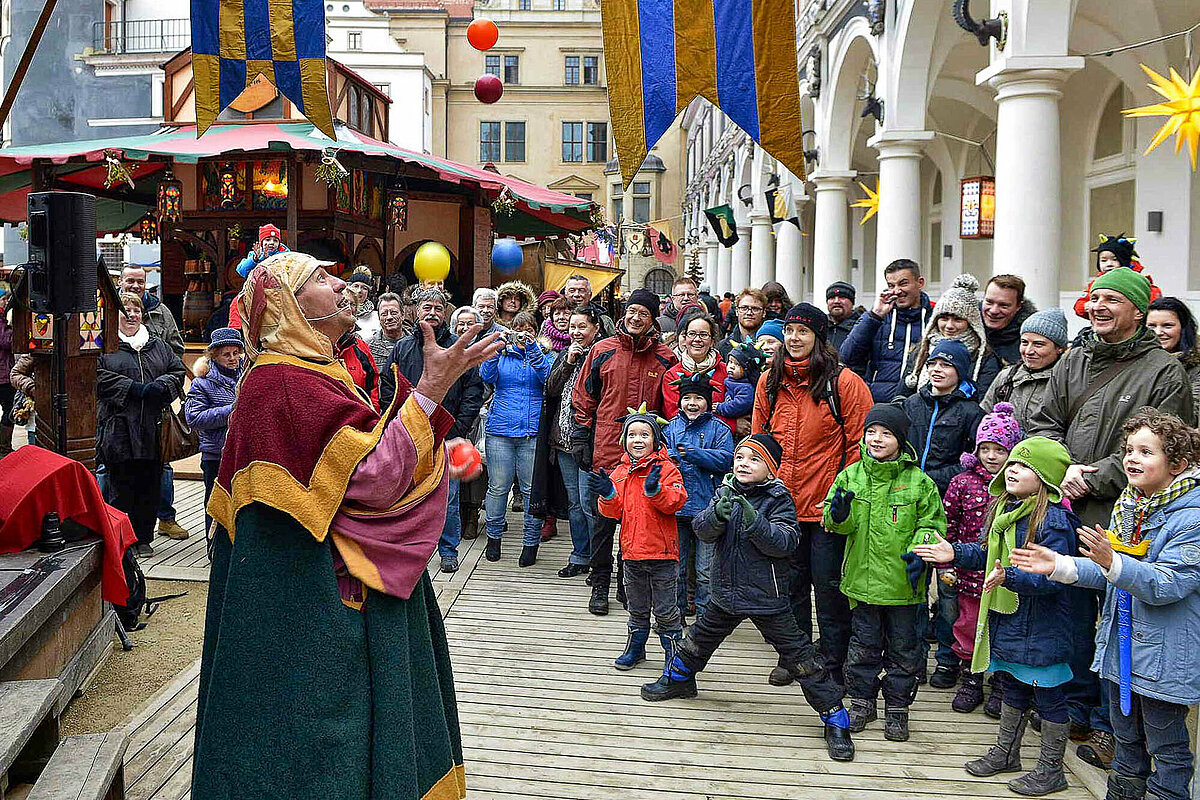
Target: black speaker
(62, 252)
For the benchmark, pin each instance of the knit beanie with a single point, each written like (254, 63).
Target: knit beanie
(1049, 322)
(954, 352)
(359, 278)
(1048, 458)
(687, 310)
(810, 317)
(268, 230)
(644, 298)
(640, 414)
(960, 301)
(751, 358)
(840, 289)
(766, 446)
(892, 417)
(548, 296)
(696, 383)
(1000, 427)
(1129, 283)
(772, 328)
(1119, 246)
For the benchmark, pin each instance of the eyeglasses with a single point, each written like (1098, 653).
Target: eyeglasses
(639, 313)
(699, 336)
(750, 308)
(686, 295)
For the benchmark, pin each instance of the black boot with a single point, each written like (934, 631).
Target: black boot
(598, 605)
(995, 697)
(862, 712)
(1123, 787)
(1047, 777)
(895, 724)
(970, 694)
(676, 681)
(492, 553)
(944, 677)
(528, 555)
(838, 743)
(1005, 755)
(780, 675)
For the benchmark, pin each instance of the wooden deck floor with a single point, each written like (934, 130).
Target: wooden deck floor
(544, 714)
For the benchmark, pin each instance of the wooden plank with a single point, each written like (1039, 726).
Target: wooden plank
(23, 707)
(83, 768)
(70, 568)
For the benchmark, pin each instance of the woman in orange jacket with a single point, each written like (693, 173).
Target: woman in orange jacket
(814, 407)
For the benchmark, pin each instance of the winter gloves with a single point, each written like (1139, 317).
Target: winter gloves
(915, 568)
(727, 500)
(723, 509)
(653, 480)
(749, 515)
(581, 451)
(601, 485)
(151, 391)
(840, 505)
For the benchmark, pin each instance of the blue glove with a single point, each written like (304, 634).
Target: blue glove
(915, 568)
(601, 484)
(840, 505)
(653, 480)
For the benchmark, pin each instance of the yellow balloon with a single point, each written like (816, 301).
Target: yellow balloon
(431, 262)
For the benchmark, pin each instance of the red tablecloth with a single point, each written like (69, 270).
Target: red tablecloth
(33, 482)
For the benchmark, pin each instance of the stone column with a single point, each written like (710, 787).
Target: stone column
(787, 259)
(713, 270)
(762, 249)
(740, 270)
(831, 237)
(898, 230)
(725, 269)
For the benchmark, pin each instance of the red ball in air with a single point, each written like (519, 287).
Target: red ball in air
(488, 89)
(482, 34)
(465, 459)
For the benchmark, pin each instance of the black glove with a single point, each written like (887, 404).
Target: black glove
(581, 451)
(600, 484)
(137, 390)
(653, 482)
(915, 568)
(157, 392)
(840, 505)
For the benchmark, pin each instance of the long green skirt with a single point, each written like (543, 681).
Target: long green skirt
(303, 697)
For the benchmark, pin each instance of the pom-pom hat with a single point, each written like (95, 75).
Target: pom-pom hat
(1000, 427)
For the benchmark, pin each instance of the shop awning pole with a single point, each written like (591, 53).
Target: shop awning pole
(35, 38)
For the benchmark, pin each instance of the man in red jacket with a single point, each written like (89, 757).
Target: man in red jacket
(620, 373)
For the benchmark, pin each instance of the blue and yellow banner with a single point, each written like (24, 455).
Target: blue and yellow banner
(235, 41)
(738, 54)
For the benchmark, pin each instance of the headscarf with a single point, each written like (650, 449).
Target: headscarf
(272, 321)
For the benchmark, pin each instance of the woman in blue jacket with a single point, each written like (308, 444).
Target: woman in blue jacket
(518, 374)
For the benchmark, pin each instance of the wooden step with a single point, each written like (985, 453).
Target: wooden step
(86, 767)
(28, 726)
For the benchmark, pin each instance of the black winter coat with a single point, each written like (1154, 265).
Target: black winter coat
(941, 429)
(463, 401)
(127, 421)
(749, 573)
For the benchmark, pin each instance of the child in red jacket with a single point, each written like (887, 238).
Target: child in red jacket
(1111, 253)
(643, 494)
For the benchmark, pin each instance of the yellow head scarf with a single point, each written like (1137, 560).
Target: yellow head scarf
(272, 321)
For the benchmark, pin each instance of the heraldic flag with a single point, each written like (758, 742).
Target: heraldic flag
(235, 41)
(739, 54)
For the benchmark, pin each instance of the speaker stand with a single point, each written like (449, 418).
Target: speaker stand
(61, 397)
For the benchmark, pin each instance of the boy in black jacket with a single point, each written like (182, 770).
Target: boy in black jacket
(752, 522)
(944, 413)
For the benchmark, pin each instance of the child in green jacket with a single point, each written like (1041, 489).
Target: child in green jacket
(885, 505)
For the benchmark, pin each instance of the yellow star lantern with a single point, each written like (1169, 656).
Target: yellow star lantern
(1182, 110)
(870, 202)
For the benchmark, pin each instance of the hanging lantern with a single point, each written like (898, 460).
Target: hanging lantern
(397, 211)
(148, 229)
(170, 198)
(977, 208)
(229, 187)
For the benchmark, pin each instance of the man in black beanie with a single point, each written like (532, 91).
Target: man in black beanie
(843, 314)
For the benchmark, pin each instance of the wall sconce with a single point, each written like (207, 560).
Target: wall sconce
(1154, 221)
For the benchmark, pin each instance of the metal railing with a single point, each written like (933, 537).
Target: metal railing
(142, 36)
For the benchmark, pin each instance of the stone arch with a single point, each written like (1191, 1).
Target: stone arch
(849, 53)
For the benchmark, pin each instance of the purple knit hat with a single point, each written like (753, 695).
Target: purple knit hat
(1000, 427)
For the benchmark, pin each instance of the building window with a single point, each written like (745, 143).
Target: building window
(489, 141)
(641, 201)
(386, 88)
(659, 281)
(572, 141)
(617, 208)
(597, 142)
(354, 40)
(591, 70)
(560, 5)
(512, 70)
(491, 65)
(523, 5)
(571, 74)
(514, 141)
(584, 195)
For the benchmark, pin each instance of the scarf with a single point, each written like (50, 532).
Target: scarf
(366, 309)
(138, 340)
(1132, 509)
(1002, 538)
(692, 366)
(559, 340)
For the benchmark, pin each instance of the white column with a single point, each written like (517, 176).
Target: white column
(831, 237)
(898, 231)
(740, 269)
(1029, 173)
(787, 259)
(725, 269)
(713, 270)
(762, 249)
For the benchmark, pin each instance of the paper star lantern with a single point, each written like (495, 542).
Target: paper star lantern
(1182, 110)
(870, 202)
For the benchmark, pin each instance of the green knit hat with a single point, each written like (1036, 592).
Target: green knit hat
(1048, 458)
(1133, 285)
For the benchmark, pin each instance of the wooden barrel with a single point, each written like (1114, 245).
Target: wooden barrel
(197, 309)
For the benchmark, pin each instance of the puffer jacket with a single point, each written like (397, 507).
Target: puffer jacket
(749, 573)
(648, 530)
(208, 406)
(1165, 585)
(882, 346)
(1020, 386)
(519, 375)
(895, 507)
(465, 398)
(127, 428)
(942, 429)
(815, 446)
(159, 320)
(1153, 377)
(619, 374)
(1041, 632)
(739, 399)
(707, 457)
(670, 391)
(966, 504)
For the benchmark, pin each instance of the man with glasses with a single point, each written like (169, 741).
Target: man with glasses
(749, 309)
(683, 294)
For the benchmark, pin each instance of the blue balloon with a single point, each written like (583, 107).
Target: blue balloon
(507, 256)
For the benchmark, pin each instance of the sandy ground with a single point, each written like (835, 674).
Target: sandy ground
(169, 643)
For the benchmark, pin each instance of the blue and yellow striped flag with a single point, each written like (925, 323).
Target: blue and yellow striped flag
(739, 54)
(235, 41)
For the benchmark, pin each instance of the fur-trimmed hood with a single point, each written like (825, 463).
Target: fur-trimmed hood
(518, 288)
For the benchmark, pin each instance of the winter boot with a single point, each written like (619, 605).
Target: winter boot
(780, 675)
(670, 644)
(995, 697)
(970, 694)
(944, 677)
(1005, 755)
(1099, 750)
(676, 681)
(635, 649)
(837, 734)
(862, 712)
(1047, 777)
(598, 605)
(895, 724)
(528, 555)
(6, 437)
(492, 553)
(1122, 787)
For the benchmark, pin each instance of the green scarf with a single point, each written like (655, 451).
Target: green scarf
(1002, 538)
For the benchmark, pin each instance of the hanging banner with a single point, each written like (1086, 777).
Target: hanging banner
(720, 218)
(659, 236)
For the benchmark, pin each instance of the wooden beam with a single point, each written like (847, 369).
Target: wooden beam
(184, 96)
(35, 38)
(293, 202)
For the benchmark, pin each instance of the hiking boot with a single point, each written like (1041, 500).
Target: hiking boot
(838, 743)
(492, 553)
(1005, 755)
(1098, 750)
(895, 724)
(528, 556)
(450, 564)
(598, 605)
(676, 681)
(862, 713)
(518, 502)
(995, 698)
(944, 677)
(1080, 731)
(1123, 787)
(549, 529)
(470, 527)
(780, 676)
(970, 694)
(172, 529)
(635, 649)
(571, 570)
(1047, 777)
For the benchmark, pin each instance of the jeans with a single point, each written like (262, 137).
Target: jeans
(1154, 729)
(943, 626)
(581, 509)
(452, 530)
(510, 456)
(651, 584)
(209, 468)
(135, 485)
(106, 490)
(166, 505)
(1085, 696)
(1050, 701)
(780, 630)
(884, 637)
(689, 547)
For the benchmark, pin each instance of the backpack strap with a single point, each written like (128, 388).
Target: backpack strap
(1097, 383)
